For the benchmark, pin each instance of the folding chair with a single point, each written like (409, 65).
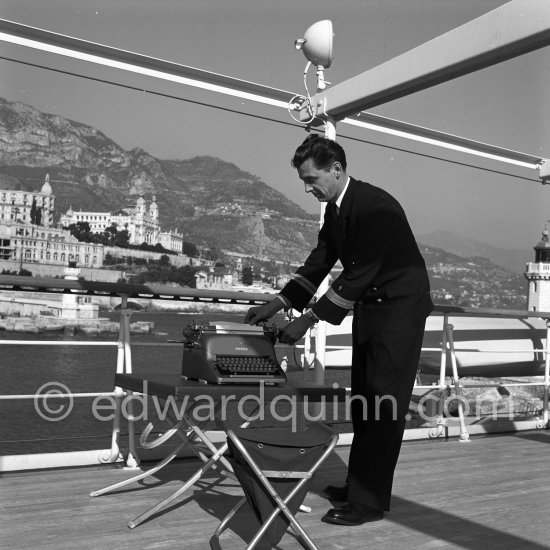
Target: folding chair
(275, 468)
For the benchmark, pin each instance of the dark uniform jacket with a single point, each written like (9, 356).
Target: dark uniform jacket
(384, 278)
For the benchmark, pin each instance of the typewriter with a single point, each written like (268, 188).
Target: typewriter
(230, 353)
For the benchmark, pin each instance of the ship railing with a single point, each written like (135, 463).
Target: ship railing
(449, 353)
(125, 292)
(452, 386)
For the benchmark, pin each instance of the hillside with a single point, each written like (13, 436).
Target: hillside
(509, 258)
(203, 197)
(213, 202)
(473, 282)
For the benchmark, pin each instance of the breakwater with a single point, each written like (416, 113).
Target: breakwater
(42, 324)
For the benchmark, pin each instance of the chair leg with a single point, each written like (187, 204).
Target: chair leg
(215, 539)
(281, 505)
(190, 482)
(281, 508)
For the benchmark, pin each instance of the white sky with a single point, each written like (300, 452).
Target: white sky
(254, 40)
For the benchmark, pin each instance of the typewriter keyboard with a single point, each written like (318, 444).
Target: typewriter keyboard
(242, 366)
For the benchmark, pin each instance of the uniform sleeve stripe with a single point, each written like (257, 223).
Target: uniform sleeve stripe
(286, 303)
(302, 281)
(338, 300)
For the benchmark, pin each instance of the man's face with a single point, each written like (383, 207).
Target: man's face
(322, 183)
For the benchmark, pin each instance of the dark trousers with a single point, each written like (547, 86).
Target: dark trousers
(382, 378)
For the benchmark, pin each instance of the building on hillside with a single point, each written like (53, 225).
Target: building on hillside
(281, 280)
(46, 245)
(538, 275)
(139, 219)
(28, 235)
(172, 240)
(230, 278)
(28, 207)
(219, 278)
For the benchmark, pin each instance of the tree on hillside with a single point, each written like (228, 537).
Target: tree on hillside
(36, 213)
(33, 211)
(112, 237)
(122, 239)
(157, 273)
(111, 234)
(81, 230)
(190, 249)
(212, 254)
(248, 275)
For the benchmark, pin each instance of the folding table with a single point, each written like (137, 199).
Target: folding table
(172, 387)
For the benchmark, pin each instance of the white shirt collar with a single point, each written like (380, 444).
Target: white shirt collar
(338, 201)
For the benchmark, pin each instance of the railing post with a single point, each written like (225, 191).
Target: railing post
(124, 365)
(441, 421)
(132, 460)
(115, 434)
(125, 317)
(543, 423)
(464, 435)
(321, 328)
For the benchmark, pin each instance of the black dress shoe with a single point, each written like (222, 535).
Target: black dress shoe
(333, 492)
(352, 514)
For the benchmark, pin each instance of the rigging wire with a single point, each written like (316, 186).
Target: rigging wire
(262, 117)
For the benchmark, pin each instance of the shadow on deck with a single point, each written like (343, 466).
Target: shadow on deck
(488, 493)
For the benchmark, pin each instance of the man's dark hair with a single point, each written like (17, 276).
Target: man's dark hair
(323, 151)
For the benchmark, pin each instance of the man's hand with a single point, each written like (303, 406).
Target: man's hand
(295, 331)
(257, 314)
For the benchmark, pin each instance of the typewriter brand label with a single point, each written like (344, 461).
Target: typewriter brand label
(241, 348)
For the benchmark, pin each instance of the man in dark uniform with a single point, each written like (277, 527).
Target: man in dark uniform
(385, 283)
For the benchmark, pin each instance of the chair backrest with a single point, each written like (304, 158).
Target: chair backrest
(283, 449)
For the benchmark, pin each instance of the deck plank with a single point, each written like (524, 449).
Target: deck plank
(488, 493)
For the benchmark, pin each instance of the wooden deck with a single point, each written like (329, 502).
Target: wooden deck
(489, 493)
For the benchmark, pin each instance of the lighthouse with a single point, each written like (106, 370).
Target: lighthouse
(538, 275)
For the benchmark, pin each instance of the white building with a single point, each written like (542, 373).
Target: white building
(538, 275)
(220, 278)
(27, 234)
(141, 222)
(17, 206)
(46, 245)
(172, 240)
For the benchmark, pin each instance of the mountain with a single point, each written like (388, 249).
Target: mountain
(473, 282)
(217, 205)
(511, 259)
(211, 201)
